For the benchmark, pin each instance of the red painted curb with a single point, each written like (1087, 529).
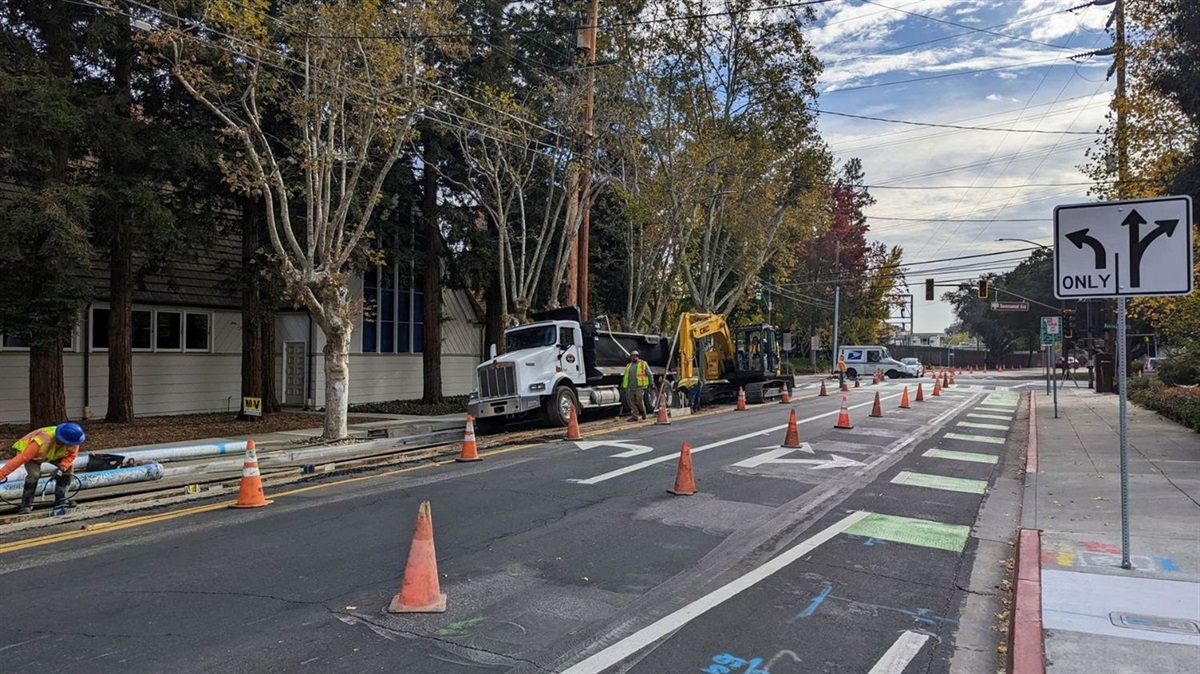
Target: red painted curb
(1027, 652)
(1031, 459)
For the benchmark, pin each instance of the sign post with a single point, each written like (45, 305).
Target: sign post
(1099, 251)
(1051, 336)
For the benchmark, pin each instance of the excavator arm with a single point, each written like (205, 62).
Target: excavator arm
(695, 327)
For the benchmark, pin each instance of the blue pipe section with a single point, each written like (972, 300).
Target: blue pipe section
(157, 454)
(11, 489)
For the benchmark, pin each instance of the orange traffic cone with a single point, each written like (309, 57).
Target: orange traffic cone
(787, 396)
(663, 419)
(792, 439)
(419, 590)
(741, 403)
(920, 394)
(685, 481)
(937, 387)
(823, 392)
(951, 380)
(845, 385)
(843, 420)
(250, 491)
(856, 383)
(904, 400)
(471, 453)
(573, 425)
(877, 410)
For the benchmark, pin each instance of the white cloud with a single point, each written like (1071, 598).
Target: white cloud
(998, 98)
(1007, 75)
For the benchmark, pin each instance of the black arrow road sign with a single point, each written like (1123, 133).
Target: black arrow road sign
(1081, 237)
(1138, 245)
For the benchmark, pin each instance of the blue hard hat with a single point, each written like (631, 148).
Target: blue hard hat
(70, 433)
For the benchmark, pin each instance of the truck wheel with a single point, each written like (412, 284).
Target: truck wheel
(851, 373)
(559, 404)
(893, 374)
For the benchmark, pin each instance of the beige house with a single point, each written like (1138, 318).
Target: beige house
(187, 345)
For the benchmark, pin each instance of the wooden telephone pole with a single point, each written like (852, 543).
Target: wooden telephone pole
(577, 264)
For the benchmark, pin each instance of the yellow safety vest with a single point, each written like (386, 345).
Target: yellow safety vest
(641, 377)
(44, 438)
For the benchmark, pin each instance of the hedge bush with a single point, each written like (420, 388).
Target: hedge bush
(1181, 405)
(452, 405)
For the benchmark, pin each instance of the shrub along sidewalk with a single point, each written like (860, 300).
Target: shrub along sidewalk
(1179, 404)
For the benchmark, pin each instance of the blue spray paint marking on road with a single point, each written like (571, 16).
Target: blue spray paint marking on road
(921, 615)
(869, 542)
(813, 605)
(724, 663)
(1167, 564)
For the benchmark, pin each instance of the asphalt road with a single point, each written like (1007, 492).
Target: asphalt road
(876, 547)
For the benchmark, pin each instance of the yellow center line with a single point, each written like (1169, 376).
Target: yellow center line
(105, 527)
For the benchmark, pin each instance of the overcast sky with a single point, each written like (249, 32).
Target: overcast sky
(977, 185)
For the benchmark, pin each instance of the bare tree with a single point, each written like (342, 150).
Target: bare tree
(318, 117)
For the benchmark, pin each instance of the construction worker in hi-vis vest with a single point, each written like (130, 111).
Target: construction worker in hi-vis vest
(58, 445)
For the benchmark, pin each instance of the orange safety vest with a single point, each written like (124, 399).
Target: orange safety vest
(49, 448)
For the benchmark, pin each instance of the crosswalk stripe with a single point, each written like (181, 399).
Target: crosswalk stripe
(941, 482)
(975, 424)
(961, 456)
(975, 438)
(925, 533)
(999, 417)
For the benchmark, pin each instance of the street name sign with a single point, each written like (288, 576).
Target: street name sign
(1051, 330)
(1132, 248)
(1001, 305)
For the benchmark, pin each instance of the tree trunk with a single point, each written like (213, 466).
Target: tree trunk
(431, 351)
(267, 345)
(120, 323)
(337, 381)
(252, 352)
(47, 392)
(493, 322)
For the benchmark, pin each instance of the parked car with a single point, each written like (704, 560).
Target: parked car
(913, 367)
(1070, 363)
(1152, 364)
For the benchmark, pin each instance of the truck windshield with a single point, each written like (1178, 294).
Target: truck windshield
(886, 355)
(532, 338)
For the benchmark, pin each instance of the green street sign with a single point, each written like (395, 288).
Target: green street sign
(1110, 326)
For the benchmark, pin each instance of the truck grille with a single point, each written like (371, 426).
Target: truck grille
(497, 381)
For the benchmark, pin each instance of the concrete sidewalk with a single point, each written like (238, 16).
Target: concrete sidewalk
(1096, 616)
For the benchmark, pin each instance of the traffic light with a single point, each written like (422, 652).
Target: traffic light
(928, 290)
(1068, 316)
(983, 289)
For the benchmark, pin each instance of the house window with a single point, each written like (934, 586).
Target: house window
(13, 342)
(168, 328)
(143, 330)
(392, 316)
(154, 330)
(196, 331)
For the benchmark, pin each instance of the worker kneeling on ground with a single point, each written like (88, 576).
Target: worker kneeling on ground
(53, 444)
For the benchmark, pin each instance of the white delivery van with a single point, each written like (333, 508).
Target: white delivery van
(865, 361)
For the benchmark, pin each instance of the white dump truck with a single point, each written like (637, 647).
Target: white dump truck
(555, 363)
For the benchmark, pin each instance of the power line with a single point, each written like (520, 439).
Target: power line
(965, 26)
(957, 126)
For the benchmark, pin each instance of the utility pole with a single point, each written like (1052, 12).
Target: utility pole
(581, 250)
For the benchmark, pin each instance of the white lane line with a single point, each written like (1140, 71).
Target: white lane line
(664, 626)
(900, 654)
(720, 443)
(976, 424)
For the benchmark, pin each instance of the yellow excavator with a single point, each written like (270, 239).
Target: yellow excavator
(721, 359)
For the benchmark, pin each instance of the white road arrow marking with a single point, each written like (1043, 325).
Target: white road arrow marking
(804, 447)
(773, 456)
(633, 450)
